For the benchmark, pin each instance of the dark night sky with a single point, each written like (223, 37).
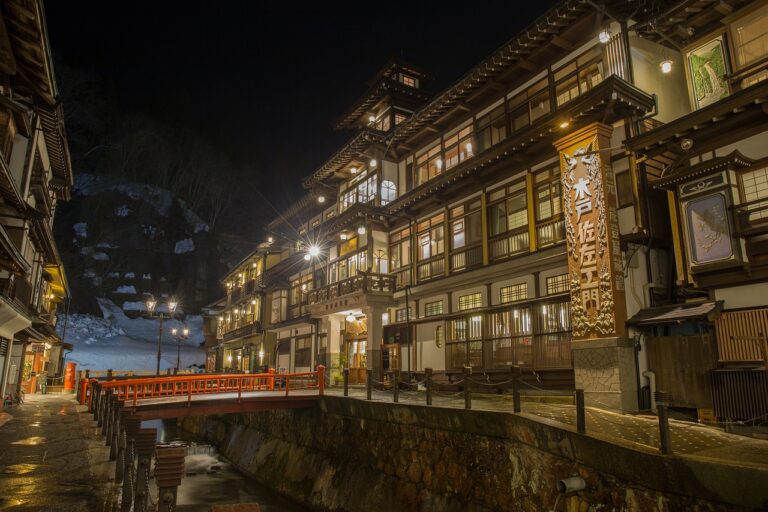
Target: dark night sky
(264, 81)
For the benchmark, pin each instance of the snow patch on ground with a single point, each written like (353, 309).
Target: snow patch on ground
(100, 256)
(122, 211)
(121, 343)
(127, 289)
(130, 275)
(134, 306)
(81, 229)
(184, 246)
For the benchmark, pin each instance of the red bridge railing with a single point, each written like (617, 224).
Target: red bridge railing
(133, 390)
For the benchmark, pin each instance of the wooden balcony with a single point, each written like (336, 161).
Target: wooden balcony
(240, 332)
(467, 258)
(365, 283)
(742, 337)
(431, 268)
(509, 244)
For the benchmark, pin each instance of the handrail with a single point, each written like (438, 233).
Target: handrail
(187, 385)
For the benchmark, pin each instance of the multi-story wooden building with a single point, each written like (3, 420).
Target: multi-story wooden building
(586, 204)
(35, 173)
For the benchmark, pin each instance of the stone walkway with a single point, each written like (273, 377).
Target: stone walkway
(45, 458)
(637, 431)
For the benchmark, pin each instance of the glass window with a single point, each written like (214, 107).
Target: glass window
(303, 354)
(750, 43)
(471, 301)
(491, 129)
(508, 215)
(388, 192)
(400, 248)
(579, 75)
(624, 196)
(513, 293)
(431, 237)
(400, 117)
(433, 308)
(557, 284)
(428, 165)
(528, 106)
(403, 314)
(754, 186)
(458, 147)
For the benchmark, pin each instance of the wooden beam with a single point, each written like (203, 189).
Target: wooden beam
(561, 42)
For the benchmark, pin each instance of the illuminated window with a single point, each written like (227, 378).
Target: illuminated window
(579, 75)
(431, 236)
(754, 185)
(408, 80)
(470, 301)
(508, 220)
(303, 355)
(439, 336)
(403, 314)
(557, 284)
(750, 44)
(459, 147)
(388, 192)
(428, 165)
(513, 293)
(433, 308)
(400, 117)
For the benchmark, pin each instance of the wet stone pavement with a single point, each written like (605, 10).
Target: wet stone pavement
(46, 458)
(640, 432)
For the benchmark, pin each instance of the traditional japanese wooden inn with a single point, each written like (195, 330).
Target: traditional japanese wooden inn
(35, 174)
(588, 204)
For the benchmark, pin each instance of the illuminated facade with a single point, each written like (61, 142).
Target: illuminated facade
(548, 211)
(35, 173)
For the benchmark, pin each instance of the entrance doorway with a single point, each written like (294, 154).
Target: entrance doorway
(355, 339)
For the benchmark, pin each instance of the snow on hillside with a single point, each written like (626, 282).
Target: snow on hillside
(121, 343)
(184, 246)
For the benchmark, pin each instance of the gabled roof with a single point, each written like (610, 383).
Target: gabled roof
(734, 159)
(384, 83)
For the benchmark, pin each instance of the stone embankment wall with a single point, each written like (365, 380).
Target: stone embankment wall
(351, 455)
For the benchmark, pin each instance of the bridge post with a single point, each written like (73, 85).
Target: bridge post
(396, 385)
(272, 379)
(346, 381)
(103, 401)
(320, 379)
(516, 388)
(145, 445)
(95, 389)
(428, 379)
(128, 476)
(115, 442)
(109, 423)
(581, 419)
(169, 469)
(369, 384)
(110, 374)
(467, 391)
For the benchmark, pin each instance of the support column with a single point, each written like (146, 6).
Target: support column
(603, 357)
(169, 469)
(334, 347)
(373, 342)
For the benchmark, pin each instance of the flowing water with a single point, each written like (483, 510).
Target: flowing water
(210, 479)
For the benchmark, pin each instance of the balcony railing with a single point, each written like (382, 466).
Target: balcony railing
(402, 277)
(550, 232)
(245, 330)
(509, 244)
(752, 217)
(366, 283)
(468, 258)
(539, 352)
(430, 269)
(742, 337)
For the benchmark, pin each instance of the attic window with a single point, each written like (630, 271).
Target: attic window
(409, 80)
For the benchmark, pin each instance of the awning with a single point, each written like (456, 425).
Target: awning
(676, 313)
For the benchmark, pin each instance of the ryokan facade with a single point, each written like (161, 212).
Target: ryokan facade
(586, 204)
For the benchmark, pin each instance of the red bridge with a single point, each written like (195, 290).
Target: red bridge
(196, 395)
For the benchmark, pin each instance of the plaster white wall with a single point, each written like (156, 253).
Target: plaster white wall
(750, 295)
(428, 354)
(646, 57)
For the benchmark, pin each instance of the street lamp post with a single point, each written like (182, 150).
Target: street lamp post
(151, 305)
(179, 336)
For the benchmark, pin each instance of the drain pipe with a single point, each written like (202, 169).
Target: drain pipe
(651, 376)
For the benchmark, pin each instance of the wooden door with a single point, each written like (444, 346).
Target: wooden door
(681, 365)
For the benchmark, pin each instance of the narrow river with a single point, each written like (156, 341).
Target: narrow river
(210, 479)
